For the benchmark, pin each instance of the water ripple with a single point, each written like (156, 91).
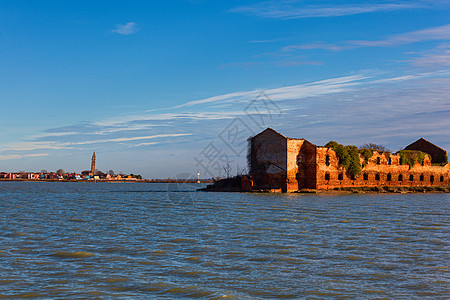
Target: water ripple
(125, 240)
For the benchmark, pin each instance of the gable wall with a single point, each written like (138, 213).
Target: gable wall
(269, 155)
(437, 154)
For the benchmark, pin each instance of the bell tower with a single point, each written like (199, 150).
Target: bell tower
(93, 164)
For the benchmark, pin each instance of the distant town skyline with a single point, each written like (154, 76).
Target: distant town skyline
(168, 88)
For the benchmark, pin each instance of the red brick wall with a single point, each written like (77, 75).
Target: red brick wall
(301, 166)
(377, 174)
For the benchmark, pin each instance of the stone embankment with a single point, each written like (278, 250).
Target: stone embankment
(234, 185)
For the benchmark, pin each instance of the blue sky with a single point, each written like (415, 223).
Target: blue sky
(159, 87)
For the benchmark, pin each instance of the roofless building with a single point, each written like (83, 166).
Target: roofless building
(290, 164)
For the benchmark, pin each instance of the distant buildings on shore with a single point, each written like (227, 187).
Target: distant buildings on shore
(67, 176)
(92, 174)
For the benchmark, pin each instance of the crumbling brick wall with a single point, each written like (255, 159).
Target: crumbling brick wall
(301, 165)
(380, 170)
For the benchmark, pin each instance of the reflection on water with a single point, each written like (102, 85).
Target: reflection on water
(78, 240)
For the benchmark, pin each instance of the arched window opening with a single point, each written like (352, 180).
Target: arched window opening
(432, 178)
(341, 176)
(366, 176)
(377, 177)
(327, 160)
(441, 179)
(389, 177)
(400, 177)
(389, 161)
(378, 160)
(411, 177)
(327, 176)
(422, 177)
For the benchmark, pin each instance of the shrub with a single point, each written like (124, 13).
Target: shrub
(411, 157)
(348, 157)
(367, 153)
(376, 147)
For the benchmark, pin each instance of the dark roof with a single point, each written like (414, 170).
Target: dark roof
(438, 154)
(276, 132)
(268, 129)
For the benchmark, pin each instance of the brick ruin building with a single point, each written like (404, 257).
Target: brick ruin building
(278, 162)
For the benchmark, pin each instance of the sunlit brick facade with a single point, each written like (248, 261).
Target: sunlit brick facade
(278, 162)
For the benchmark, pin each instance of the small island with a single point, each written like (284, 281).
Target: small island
(281, 164)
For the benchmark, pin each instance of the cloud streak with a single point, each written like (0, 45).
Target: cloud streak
(440, 33)
(19, 156)
(436, 58)
(55, 145)
(301, 9)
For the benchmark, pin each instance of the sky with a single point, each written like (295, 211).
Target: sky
(169, 88)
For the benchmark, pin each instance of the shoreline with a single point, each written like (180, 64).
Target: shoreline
(108, 181)
(350, 190)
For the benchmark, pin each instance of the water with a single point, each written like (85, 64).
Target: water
(141, 241)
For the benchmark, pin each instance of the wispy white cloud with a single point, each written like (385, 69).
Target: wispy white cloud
(429, 34)
(125, 29)
(32, 146)
(322, 87)
(289, 92)
(128, 139)
(217, 98)
(146, 144)
(314, 46)
(290, 62)
(411, 77)
(310, 9)
(19, 156)
(198, 115)
(435, 58)
(440, 33)
(55, 145)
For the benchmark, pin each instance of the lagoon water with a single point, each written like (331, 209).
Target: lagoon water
(144, 241)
